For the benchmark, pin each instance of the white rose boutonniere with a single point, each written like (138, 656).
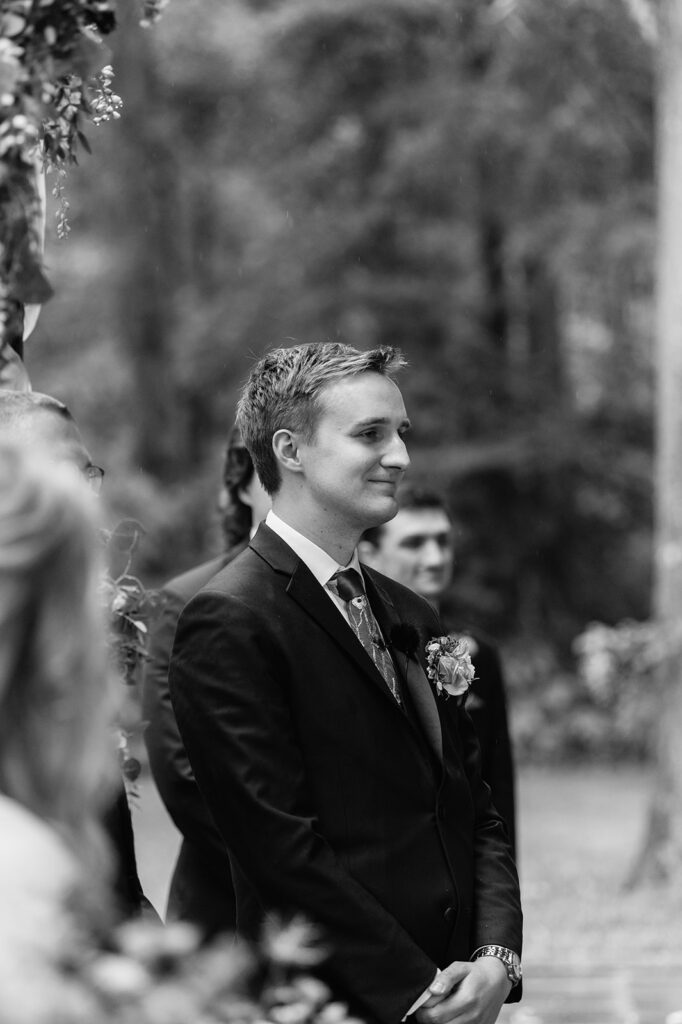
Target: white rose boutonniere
(449, 666)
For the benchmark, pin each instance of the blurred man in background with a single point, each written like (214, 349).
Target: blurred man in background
(201, 889)
(416, 548)
(42, 423)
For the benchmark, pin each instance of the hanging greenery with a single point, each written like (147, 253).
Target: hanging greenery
(48, 96)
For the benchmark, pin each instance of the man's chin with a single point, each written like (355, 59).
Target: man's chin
(382, 511)
(432, 590)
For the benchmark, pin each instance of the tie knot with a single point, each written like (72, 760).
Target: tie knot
(348, 584)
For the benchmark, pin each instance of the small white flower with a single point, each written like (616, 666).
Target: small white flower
(333, 1013)
(119, 977)
(144, 941)
(290, 1013)
(295, 943)
(312, 989)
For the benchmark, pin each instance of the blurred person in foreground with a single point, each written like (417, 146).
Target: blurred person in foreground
(416, 548)
(13, 373)
(344, 787)
(57, 764)
(201, 889)
(44, 425)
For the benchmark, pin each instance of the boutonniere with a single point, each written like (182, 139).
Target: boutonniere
(449, 666)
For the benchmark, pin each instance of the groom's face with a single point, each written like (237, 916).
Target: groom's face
(356, 458)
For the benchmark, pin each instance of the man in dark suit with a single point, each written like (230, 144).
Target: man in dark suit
(43, 423)
(345, 789)
(416, 549)
(201, 889)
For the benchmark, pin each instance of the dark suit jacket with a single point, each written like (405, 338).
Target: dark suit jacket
(487, 707)
(201, 887)
(335, 802)
(129, 900)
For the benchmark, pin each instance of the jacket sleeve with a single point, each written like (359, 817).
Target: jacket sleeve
(117, 825)
(497, 918)
(500, 767)
(168, 759)
(228, 683)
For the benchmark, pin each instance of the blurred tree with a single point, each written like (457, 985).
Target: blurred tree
(661, 856)
(471, 181)
(148, 235)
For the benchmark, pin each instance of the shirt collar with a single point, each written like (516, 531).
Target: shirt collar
(321, 564)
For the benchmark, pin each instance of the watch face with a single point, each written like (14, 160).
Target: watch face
(515, 973)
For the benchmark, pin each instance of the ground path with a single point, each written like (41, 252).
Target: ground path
(594, 954)
(601, 994)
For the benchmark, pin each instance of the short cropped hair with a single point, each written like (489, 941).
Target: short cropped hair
(410, 498)
(237, 474)
(283, 390)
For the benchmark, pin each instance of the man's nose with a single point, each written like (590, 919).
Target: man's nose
(396, 454)
(432, 554)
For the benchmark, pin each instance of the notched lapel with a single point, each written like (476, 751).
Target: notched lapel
(307, 592)
(424, 704)
(423, 698)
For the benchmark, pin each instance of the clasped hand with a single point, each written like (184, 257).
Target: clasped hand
(468, 993)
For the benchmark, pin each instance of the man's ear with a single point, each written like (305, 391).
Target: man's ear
(285, 447)
(244, 495)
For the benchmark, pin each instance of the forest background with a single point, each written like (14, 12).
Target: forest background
(473, 182)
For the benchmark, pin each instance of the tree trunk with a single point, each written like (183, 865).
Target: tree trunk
(661, 857)
(543, 328)
(147, 228)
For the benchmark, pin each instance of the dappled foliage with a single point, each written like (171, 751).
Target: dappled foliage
(472, 181)
(51, 89)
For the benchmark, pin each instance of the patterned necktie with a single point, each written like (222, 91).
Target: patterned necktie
(348, 586)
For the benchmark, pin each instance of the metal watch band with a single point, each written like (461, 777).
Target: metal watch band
(508, 957)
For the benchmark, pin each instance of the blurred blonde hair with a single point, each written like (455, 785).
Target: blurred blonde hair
(56, 697)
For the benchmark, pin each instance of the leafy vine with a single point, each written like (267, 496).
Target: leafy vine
(46, 100)
(129, 605)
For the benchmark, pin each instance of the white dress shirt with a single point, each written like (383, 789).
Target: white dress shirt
(321, 564)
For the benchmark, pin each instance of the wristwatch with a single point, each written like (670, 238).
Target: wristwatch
(509, 958)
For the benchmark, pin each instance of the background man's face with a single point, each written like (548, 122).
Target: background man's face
(415, 549)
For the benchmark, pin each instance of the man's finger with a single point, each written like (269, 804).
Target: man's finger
(449, 977)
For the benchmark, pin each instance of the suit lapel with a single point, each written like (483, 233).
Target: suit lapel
(423, 699)
(307, 592)
(304, 589)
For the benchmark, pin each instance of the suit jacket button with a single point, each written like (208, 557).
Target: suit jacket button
(449, 913)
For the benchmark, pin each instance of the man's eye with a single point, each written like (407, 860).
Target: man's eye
(370, 435)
